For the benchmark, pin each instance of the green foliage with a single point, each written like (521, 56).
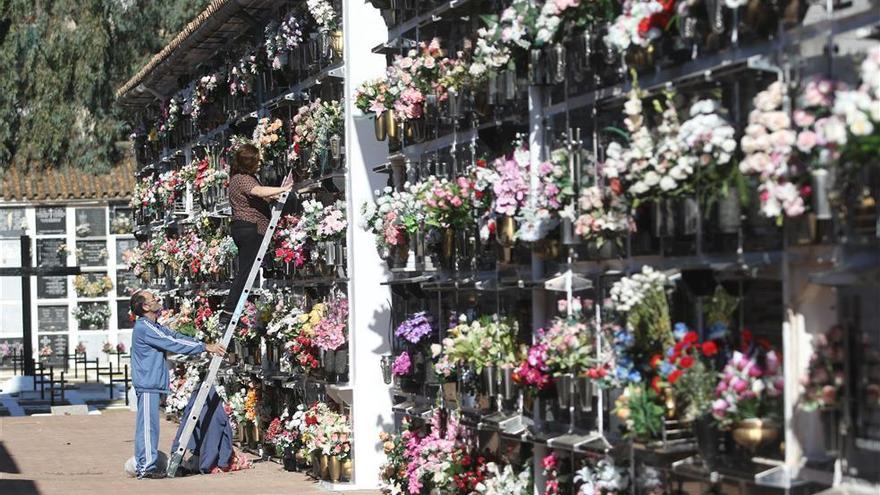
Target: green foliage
(61, 63)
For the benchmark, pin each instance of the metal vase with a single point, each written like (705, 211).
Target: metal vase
(380, 128)
(567, 233)
(536, 67)
(455, 100)
(416, 130)
(821, 181)
(506, 231)
(508, 386)
(564, 389)
(729, 213)
(398, 173)
(340, 365)
(586, 41)
(386, 361)
(335, 146)
(391, 126)
(715, 13)
(557, 63)
(489, 381)
(509, 83)
(689, 212)
(584, 386)
(494, 88)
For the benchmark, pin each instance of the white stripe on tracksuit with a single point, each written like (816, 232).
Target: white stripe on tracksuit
(162, 334)
(148, 447)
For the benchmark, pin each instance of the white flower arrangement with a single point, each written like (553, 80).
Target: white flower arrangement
(182, 389)
(323, 13)
(505, 481)
(605, 478)
(708, 133)
(767, 146)
(629, 292)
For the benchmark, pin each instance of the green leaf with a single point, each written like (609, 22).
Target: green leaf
(618, 131)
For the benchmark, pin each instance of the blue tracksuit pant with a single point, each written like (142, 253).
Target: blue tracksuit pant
(146, 437)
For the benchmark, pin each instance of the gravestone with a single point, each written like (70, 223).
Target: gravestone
(52, 319)
(51, 221)
(91, 253)
(123, 245)
(91, 222)
(58, 344)
(12, 222)
(126, 283)
(47, 252)
(122, 319)
(51, 287)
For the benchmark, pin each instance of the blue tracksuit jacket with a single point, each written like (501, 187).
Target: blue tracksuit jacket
(149, 342)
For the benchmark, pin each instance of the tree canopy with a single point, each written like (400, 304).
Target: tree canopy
(60, 63)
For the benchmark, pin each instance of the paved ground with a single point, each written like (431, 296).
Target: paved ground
(84, 454)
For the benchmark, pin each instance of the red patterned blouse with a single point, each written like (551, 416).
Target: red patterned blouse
(246, 207)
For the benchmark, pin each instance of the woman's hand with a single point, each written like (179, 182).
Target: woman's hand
(282, 190)
(269, 192)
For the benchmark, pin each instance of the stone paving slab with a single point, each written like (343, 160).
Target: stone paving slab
(85, 455)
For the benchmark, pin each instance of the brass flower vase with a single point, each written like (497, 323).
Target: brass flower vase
(324, 465)
(347, 470)
(336, 43)
(391, 126)
(755, 433)
(448, 244)
(506, 231)
(379, 127)
(335, 469)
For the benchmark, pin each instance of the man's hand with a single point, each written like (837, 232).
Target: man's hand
(215, 349)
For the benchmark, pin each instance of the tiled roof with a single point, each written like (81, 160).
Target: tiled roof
(60, 184)
(198, 42)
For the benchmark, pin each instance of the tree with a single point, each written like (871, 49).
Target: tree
(60, 63)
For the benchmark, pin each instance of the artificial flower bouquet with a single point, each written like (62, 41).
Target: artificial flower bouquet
(603, 216)
(281, 38)
(323, 13)
(686, 373)
(436, 460)
(91, 315)
(487, 341)
(506, 480)
(606, 477)
(85, 286)
(750, 387)
(640, 299)
(330, 332)
(241, 77)
(313, 126)
(289, 241)
(823, 384)
(448, 203)
(269, 138)
(640, 409)
(395, 218)
(767, 147)
(563, 347)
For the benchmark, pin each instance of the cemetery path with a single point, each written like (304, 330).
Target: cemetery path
(71, 455)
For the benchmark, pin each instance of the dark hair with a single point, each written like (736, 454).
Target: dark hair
(246, 160)
(137, 302)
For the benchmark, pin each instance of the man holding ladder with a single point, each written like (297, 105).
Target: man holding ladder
(149, 343)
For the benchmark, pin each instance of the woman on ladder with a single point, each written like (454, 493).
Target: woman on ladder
(250, 202)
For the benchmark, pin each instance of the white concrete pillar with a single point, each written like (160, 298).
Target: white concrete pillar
(369, 301)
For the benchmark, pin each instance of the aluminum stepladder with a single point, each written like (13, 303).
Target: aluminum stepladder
(211, 377)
